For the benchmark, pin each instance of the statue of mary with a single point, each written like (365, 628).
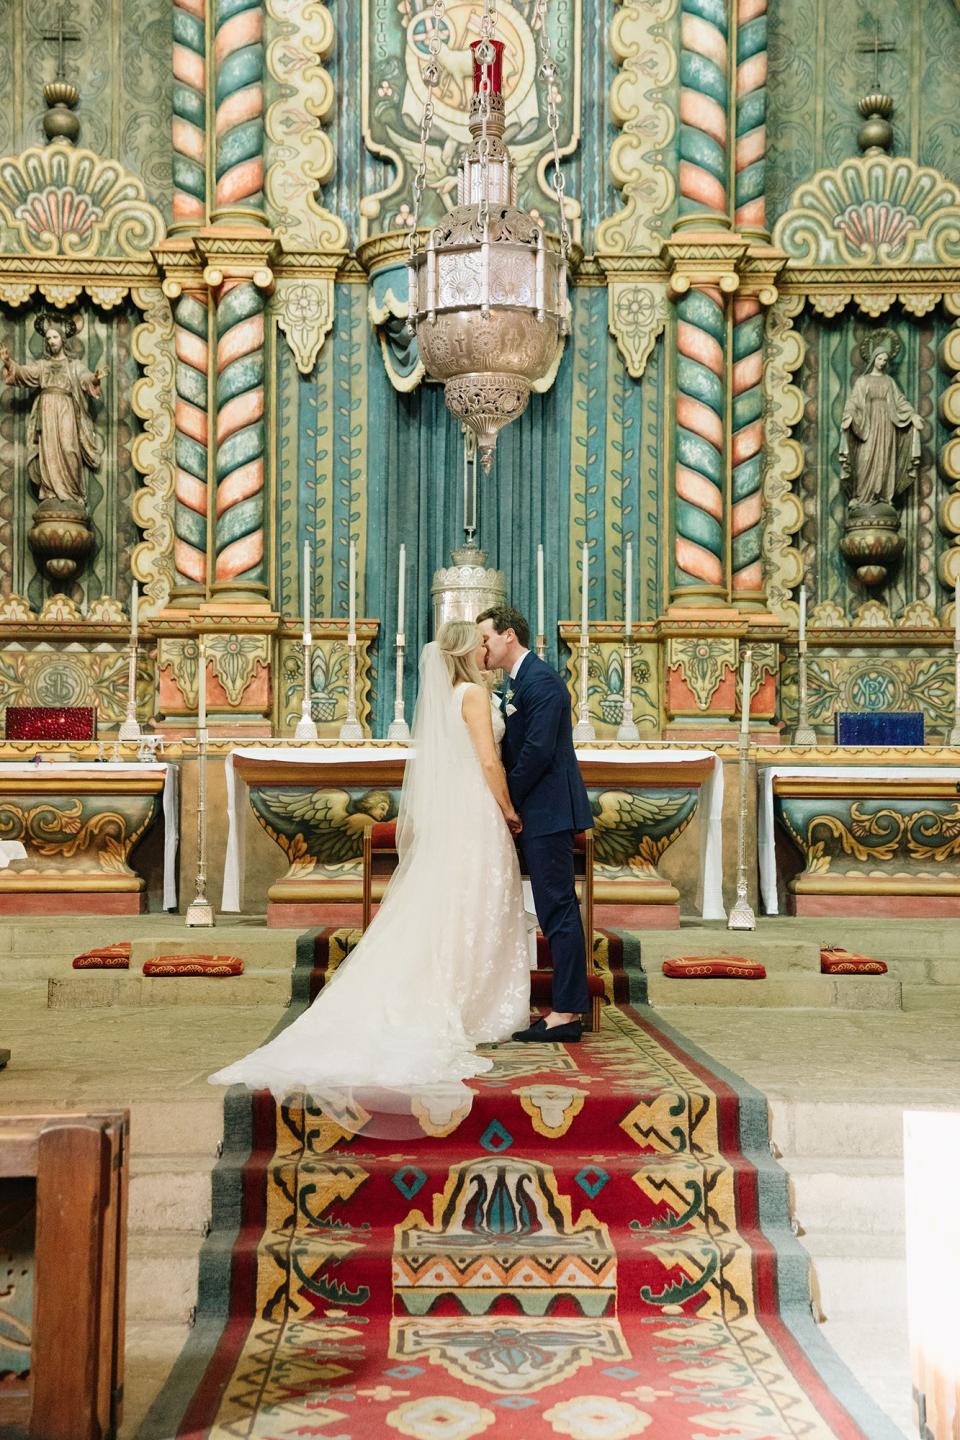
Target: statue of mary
(879, 432)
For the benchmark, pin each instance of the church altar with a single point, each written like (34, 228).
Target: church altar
(315, 803)
(78, 824)
(875, 839)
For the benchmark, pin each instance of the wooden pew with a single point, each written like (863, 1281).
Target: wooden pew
(74, 1389)
(380, 861)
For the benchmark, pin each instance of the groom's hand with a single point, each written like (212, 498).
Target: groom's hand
(514, 823)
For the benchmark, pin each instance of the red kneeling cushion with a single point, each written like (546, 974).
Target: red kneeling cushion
(834, 960)
(209, 965)
(383, 836)
(105, 957)
(714, 967)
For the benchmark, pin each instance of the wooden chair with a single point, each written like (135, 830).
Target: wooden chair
(74, 1389)
(380, 861)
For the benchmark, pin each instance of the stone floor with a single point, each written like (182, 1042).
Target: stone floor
(837, 1080)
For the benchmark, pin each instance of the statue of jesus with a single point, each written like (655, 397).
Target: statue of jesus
(61, 440)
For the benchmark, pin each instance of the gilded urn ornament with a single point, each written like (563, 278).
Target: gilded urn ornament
(488, 294)
(879, 455)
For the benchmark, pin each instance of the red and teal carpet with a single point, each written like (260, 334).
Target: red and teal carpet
(599, 1248)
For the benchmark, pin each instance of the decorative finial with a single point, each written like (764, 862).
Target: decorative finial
(61, 94)
(875, 135)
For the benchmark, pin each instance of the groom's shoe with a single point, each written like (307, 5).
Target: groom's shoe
(552, 1034)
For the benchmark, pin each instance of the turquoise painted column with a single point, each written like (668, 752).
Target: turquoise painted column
(189, 131)
(750, 162)
(699, 542)
(746, 518)
(191, 502)
(238, 47)
(704, 90)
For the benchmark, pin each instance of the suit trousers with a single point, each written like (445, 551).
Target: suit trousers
(549, 862)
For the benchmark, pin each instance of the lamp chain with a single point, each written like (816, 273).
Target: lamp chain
(547, 72)
(431, 78)
(486, 55)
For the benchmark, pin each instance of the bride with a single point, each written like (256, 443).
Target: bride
(444, 966)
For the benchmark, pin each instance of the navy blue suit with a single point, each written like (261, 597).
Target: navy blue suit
(545, 786)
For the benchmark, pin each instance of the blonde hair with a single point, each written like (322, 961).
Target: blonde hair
(456, 641)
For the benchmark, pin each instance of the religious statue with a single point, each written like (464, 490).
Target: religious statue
(61, 440)
(879, 456)
(880, 431)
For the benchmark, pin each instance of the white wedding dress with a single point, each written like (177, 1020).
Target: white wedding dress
(444, 966)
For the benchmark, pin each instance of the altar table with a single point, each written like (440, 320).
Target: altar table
(77, 824)
(875, 839)
(315, 802)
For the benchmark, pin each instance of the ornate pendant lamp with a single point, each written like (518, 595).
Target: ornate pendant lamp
(488, 294)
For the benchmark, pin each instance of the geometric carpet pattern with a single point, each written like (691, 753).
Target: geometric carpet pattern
(585, 1251)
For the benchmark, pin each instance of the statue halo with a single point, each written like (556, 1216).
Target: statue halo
(878, 340)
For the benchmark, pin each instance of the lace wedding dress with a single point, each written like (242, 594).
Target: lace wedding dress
(444, 966)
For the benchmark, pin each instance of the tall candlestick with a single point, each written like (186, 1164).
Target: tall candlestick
(585, 593)
(134, 612)
(307, 606)
(539, 590)
(628, 591)
(803, 614)
(401, 588)
(745, 693)
(352, 585)
(201, 687)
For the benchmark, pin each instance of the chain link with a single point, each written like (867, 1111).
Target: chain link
(431, 78)
(547, 72)
(485, 55)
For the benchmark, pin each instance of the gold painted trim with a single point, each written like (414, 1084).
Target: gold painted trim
(875, 789)
(861, 885)
(66, 784)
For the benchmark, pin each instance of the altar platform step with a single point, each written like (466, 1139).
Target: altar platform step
(779, 992)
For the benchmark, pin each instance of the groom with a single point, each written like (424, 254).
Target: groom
(546, 788)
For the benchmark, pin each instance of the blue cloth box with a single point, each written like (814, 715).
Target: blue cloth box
(881, 727)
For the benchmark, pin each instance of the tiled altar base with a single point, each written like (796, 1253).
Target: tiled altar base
(617, 917)
(837, 1082)
(898, 907)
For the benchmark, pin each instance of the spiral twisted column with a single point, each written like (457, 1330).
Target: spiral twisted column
(703, 111)
(240, 438)
(750, 156)
(189, 114)
(699, 540)
(239, 53)
(191, 496)
(747, 451)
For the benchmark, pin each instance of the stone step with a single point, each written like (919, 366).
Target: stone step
(162, 1273)
(856, 1275)
(836, 1127)
(931, 997)
(877, 1350)
(151, 1350)
(170, 1126)
(778, 991)
(273, 952)
(97, 989)
(864, 1194)
(170, 1193)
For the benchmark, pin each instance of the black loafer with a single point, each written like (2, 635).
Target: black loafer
(552, 1034)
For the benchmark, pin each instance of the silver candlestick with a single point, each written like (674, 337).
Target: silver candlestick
(541, 647)
(742, 916)
(306, 725)
(804, 734)
(954, 737)
(200, 911)
(627, 729)
(351, 728)
(130, 729)
(584, 732)
(399, 729)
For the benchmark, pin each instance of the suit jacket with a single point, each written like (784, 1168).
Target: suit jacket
(538, 755)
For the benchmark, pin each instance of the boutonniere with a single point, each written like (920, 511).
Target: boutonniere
(509, 708)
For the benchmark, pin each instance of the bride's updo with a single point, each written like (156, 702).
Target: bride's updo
(457, 641)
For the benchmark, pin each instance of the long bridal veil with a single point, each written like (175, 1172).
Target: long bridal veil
(386, 1046)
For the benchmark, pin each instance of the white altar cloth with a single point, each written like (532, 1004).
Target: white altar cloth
(171, 834)
(710, 891)
(765, 821)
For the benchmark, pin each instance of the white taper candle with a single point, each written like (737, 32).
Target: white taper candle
(745, 693)
(803, 613)
(401, 589)
(307, 605)
(539, 589)
(134, 611)
(585, 594)
(202, 687)
(628, 591)
(352, 586)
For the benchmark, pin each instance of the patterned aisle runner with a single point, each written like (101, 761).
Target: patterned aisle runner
(586, 1252)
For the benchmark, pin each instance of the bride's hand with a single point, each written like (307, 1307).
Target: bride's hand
(514, 823)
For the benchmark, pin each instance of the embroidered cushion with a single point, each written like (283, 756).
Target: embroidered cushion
(834, 960)
(714, 967)
(105, 957)
(209, 965)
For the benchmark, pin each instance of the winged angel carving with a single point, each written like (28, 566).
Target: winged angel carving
(625, 825)
(320, 827)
